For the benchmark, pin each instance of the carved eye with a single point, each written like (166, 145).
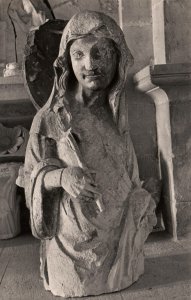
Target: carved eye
(77, 54)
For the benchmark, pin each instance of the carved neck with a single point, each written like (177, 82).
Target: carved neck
(88, 97)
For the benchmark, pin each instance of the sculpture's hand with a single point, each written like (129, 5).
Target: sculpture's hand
(77, 182)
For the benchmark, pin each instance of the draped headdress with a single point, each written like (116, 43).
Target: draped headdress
(55, 112)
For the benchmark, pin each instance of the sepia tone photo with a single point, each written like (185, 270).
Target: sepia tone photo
(95, 149)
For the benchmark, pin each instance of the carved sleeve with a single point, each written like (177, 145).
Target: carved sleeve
(41, 157)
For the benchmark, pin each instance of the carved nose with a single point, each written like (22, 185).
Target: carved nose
(90, 63)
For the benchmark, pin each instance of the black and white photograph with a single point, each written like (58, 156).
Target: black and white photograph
(95, 149)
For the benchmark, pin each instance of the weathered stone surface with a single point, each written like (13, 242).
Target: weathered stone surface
(81, 175)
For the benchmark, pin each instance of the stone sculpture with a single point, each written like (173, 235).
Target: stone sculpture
(30, 14)
(10, 139)
(12, 150)
(13, 143)
(81, 176)
(39, 12)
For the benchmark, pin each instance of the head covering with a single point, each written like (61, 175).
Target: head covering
(102, 26)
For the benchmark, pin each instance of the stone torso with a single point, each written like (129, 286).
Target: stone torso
(104, 151)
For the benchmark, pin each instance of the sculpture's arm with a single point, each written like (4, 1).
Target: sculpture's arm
(46, 181)
(43, 204)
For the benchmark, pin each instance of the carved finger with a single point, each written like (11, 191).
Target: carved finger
(91, 181)
(92, 189)
(86, 193)
(85, 198)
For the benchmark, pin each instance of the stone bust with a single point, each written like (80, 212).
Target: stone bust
(82, 184)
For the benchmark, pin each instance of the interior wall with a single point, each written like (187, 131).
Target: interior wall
(177, 31)
(137, 27)
(66, 9)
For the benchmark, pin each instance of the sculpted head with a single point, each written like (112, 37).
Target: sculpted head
(94, 61)
(93, 44)
(93, 48)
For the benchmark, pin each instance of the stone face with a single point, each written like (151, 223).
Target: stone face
(81, 175)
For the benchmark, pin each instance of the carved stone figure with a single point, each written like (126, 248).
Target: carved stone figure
(30, 14)
(11, 139)
(12, 150)
(39, 12)
(81, 176)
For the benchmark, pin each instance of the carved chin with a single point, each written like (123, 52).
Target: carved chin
(95, 83)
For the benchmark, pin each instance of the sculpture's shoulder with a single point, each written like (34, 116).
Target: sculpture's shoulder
(44, 122)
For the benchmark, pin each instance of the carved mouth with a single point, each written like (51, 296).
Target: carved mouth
(92, 76)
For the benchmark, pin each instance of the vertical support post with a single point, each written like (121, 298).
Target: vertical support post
(158, 27)
(120, 10)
